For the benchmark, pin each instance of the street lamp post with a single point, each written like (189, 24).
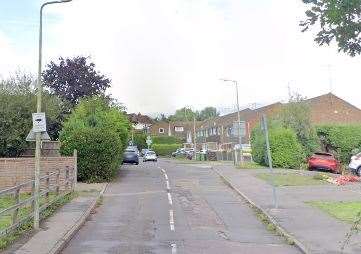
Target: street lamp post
(38, 110)
(238, 117)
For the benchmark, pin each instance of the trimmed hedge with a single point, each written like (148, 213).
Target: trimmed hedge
(340, 139)
(165, 149)
(167, 140)
(99, 153)
(286, 151)
(100, 134)
(140, 140)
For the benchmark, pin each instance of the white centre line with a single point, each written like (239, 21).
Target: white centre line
(166, 177)
(168, 186)
(174, 248)
(170, 199)
(171, 220)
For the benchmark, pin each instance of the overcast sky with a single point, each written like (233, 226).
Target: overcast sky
(164, 54)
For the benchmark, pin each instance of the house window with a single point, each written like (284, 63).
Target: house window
(161, 130)
(178, 128)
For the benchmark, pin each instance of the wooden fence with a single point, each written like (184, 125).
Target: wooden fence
(21, 210)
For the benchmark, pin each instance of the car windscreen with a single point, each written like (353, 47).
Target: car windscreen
(150, 153)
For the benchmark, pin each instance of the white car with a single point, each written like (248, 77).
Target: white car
(355, 164)
(150, 156)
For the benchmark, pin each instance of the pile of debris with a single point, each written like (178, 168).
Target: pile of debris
(342, 180)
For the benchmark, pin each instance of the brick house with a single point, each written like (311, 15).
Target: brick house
(140, 123)
(183, 130)
(218, 133)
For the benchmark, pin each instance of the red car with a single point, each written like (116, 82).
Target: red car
(324, 161)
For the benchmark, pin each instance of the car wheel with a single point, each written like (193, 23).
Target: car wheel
(359, 171)
(137, 163)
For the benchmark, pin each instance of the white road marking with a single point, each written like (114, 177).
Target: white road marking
(163, 171)
(174, 248)
(166, 177)
(168, 186)
(170, 199)
(171, 220)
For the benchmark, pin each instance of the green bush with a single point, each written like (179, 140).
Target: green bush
(99, 153)
(286, 151)
(165, 149)
(100, 134)
(167, 140)
(140, 140)
(340, 139)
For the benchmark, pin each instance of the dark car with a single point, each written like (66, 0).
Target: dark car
(131, 156)
(324, 161)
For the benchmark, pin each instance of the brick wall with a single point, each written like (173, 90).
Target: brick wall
(19, 170)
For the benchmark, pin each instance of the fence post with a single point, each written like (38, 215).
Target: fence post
(47, 186)
(32, 195)
(17, 200)
(57, 189)
(66, 178)
(75, 179)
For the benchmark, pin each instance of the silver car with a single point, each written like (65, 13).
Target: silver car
(150, 156)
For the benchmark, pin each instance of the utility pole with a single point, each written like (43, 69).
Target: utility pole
(38, 110)
(238, 118)
(194, 138)
(269, 156)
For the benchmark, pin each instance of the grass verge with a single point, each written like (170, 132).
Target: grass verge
(9, 239)
(250, 165)
(344, 211)
(289, 179)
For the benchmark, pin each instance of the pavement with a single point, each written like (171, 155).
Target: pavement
(166, 207)
(316, 230)
(57, 229)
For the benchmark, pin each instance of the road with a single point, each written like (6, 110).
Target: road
(173, 208)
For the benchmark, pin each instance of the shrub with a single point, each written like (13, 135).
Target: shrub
(286, 151)
(99, 153)
(342, 140)
(167, 140)
(100, 134)
(165, 149)
(140, 140)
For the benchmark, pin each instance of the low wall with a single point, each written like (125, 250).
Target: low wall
(19, 170)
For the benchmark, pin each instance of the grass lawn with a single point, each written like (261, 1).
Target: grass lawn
(345, 211)
(290, 179)
(250, 165)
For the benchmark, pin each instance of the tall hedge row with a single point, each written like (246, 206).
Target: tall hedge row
(340, 139)
(100, 134)
(167, 140)
(286, 151)
(165, 149)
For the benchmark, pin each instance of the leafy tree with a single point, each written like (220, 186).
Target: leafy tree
(296, 115)
(18, 102)
(207, 113)
(183, 114)
(74, 78)
(339, 21)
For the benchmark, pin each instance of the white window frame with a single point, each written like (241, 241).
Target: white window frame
(161, 130)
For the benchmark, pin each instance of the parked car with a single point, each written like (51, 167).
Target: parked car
(135, 148)
(130, 156)
(150, 156)
(178, 152)
(355, 164)
(143, 152)
(324, 161)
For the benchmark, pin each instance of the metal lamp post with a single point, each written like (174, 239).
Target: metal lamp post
(38, 110)
(238, 116)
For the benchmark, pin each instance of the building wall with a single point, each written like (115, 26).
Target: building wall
(14, 171)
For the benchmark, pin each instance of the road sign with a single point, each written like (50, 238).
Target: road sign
(31, 136)
(149, 141)
(235, 129)
(39, 122)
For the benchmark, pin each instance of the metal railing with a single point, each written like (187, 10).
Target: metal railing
(51, 184)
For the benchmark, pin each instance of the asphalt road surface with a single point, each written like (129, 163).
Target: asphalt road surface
(166, 207)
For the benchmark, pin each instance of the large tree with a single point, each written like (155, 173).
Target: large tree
(18, 102)
(208, 112)
(339, 20)
(74, 78)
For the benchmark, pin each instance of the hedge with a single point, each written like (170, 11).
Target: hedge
(286, 151)
(340, 139)
(167, 140)
(165, 149)
(99, 153)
